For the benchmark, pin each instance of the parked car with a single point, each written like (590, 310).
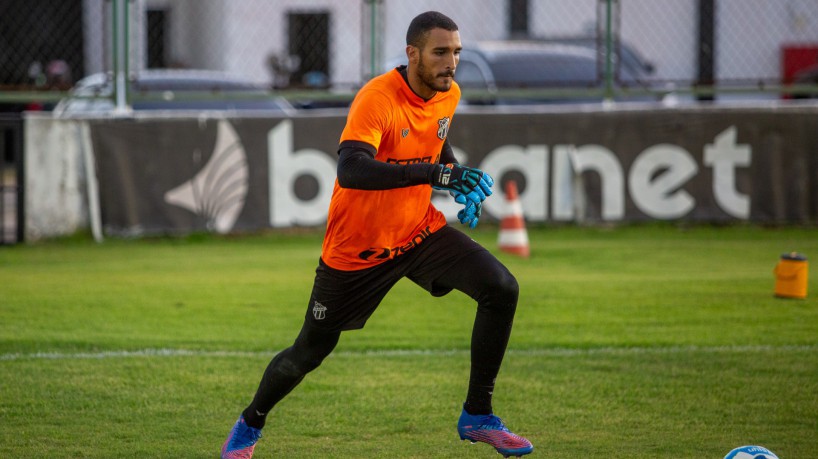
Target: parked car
(629, 57)
(531, 72)
(155, 89)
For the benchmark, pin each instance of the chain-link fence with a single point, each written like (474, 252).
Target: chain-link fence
(336, 45)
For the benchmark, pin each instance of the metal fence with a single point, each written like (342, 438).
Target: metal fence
(328, 46)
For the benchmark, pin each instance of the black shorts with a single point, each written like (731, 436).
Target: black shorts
(344, 300)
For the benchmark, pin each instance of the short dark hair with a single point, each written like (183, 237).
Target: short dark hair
(423, 23)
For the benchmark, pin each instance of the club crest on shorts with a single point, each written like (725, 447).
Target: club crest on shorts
(319, 311)
(404, 132)
(443, 128)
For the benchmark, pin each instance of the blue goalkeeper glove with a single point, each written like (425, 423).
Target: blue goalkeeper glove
(471, 211)
(473, 183)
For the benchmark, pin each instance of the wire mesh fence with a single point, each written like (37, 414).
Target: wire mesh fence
(337, 45)
(46, 45)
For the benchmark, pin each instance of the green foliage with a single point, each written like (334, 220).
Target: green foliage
(635, 342)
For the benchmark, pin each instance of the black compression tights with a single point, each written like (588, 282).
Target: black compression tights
(486, 280)
(287, 369)
(482, 277)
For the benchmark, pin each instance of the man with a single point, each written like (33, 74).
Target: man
(382, 227)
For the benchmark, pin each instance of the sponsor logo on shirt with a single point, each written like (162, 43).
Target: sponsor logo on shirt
(383, 253)
(424, 159)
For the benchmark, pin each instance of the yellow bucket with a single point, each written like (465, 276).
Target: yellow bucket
(791, 276)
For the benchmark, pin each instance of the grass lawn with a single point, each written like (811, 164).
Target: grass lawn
(636, 342)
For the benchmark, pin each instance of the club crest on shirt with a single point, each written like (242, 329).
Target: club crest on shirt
(443, 128)
(404, 132)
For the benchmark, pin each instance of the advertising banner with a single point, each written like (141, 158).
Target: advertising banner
(702, 164)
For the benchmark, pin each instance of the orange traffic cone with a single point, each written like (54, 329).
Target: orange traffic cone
(513, 236)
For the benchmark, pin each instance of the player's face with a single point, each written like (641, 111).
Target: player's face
(435, 63)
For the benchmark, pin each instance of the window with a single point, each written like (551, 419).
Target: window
(156, 33)
(309, 42)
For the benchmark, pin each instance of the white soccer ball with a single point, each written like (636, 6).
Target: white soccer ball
(751, 452)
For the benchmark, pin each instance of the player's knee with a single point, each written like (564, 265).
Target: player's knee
(509, 289)
(295, 365)
(311, 362)
(297, 360)
(286, 365)
(502, 291)
(310, 357)
(310, 349)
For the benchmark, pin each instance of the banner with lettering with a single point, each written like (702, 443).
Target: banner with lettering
(697, 164)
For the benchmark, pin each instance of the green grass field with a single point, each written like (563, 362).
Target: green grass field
(636, 342)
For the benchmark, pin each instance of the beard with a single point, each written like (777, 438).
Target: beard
(430, 79)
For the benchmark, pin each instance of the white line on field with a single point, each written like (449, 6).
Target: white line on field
(416, 352)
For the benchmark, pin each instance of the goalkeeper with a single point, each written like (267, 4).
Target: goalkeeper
(382, 227)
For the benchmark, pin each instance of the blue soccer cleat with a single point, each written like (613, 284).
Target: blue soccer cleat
(490, 429)
(241, 442)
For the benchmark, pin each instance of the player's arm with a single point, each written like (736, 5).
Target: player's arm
(358, 169)
(447, 154)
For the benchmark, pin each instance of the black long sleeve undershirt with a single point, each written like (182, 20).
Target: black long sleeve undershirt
(358, 169)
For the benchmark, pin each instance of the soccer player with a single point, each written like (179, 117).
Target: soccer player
(382, 227)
